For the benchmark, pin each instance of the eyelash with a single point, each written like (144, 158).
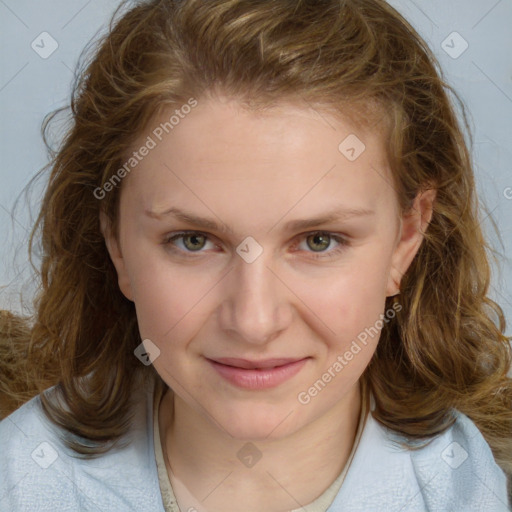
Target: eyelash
(343, 243)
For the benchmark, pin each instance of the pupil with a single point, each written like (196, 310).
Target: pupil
(193, 237)
(323, 240)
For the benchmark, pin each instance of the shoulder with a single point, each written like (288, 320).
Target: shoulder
(455, 471)
(458, 472)
(38, 471)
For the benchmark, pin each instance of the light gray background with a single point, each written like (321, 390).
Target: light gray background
(31, 86)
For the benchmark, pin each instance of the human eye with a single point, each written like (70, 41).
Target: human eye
(322, 240)
(191, 242)
(186, 243)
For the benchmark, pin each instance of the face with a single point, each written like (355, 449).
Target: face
(299, 246)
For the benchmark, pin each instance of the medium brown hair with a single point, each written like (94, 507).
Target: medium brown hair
(444, 350)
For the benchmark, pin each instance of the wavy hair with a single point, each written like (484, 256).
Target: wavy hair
(446, 349)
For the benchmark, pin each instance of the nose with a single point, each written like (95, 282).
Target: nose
(255, 308)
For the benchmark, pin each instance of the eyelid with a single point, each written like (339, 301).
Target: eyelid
(342, 240)
(180, 234)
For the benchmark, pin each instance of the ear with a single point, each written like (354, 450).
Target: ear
(116, 256)
(414, 223)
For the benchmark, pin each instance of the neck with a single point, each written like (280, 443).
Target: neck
(207, 470)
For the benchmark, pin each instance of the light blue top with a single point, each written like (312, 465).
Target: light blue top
(455, 472)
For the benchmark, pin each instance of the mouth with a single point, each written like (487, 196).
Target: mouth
(255, 375)
(255, 365)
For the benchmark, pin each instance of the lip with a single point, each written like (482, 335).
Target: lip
(254, 375)
(251, 365)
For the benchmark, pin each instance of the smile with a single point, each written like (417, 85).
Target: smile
(257, 375)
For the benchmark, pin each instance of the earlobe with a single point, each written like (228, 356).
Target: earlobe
(116, 256)
(413, 227)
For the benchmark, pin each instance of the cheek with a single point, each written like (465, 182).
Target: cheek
(172, 303)
(165, 303)
(163, 294)
(350, 298)
(167, 307)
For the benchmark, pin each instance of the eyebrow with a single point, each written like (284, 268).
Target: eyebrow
(294, 225)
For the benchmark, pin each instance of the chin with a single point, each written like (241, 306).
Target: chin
(263, 423)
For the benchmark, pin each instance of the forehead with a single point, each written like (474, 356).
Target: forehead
(259, 160)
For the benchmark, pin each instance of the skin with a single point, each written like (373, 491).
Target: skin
(254, 172)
